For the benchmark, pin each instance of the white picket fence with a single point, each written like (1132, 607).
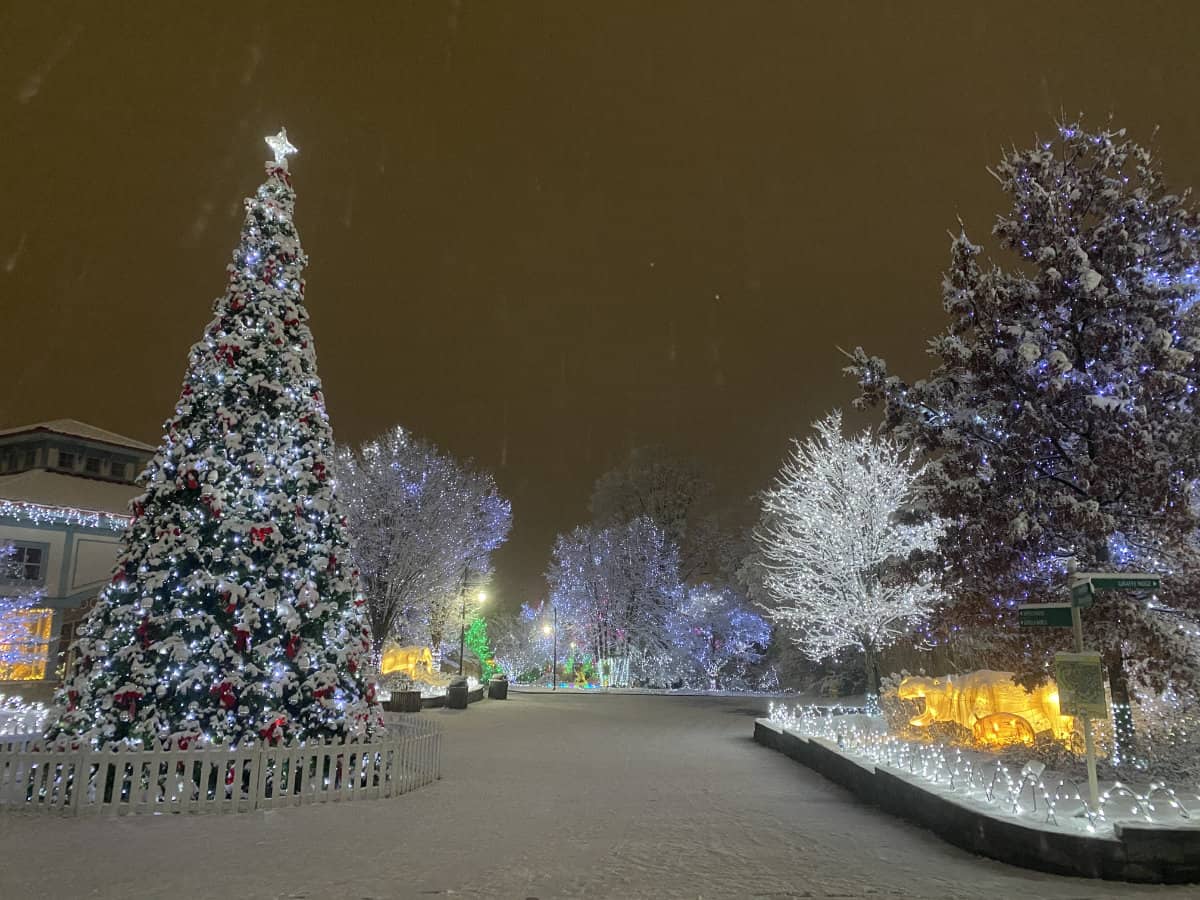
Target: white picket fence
(120, 782)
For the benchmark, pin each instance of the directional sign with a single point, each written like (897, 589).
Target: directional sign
(1042, 615)
(1081, 594)
(1121, 581)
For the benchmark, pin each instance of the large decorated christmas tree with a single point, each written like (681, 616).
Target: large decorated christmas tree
(234, 611)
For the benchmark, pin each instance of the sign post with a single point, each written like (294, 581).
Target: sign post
(1080, 675)
(1082, 595)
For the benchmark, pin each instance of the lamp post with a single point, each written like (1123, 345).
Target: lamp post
(546, 629)
(462, 636)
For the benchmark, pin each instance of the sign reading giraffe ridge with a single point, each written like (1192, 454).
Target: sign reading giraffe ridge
(1121, 581)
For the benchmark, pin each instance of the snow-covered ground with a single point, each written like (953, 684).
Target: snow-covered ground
(567, 795)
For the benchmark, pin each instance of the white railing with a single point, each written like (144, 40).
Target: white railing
(116, 781)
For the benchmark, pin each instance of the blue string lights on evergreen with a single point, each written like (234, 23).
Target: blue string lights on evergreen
(234, 611)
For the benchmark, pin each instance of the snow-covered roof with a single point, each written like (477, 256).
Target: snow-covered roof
(75, 428)
(71, 491)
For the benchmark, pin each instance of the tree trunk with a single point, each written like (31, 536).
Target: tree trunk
(712, 650)
(871, 664)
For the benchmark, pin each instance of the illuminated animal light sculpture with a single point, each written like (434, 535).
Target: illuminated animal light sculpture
(990, 706)
(414, 663)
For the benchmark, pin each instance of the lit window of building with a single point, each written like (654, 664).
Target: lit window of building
(25, 646)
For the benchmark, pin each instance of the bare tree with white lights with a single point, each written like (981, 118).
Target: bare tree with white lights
(835, 546)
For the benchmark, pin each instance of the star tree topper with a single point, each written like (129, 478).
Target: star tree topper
(281, 147)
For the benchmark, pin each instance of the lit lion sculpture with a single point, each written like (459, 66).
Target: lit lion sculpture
(414, 663)
(989, 705)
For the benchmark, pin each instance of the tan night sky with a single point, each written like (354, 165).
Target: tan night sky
(539, 233)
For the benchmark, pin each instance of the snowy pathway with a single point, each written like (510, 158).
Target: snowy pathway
(544, 796)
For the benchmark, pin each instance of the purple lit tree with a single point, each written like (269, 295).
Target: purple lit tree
(717, 637)
(674, 494)
(614, 588)
(1061, 419)
(424, 526)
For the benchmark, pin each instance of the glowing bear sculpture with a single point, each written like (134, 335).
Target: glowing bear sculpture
(989, 705)
(414, 663)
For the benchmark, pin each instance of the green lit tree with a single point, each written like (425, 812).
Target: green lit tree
(478, 643)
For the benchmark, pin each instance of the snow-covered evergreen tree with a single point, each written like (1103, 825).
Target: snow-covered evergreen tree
(234, 611)
(478, 644)
(836, 543)
(1061, 419)
(425, 526)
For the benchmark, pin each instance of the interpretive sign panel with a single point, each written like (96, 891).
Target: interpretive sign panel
(1080, 685)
